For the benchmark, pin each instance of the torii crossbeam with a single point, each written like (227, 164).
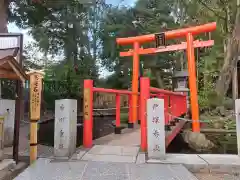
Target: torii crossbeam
(175, 47)
(160, 39)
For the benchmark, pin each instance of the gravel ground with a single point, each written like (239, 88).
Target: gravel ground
(215, 176)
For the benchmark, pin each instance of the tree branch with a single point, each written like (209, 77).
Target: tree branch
(224, 3)
(206, 6)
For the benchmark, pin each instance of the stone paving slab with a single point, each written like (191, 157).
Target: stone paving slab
(222, 163)
(220, 159)
(78, 154)
(180, 159)
(160, 172)
(114, 150)
(219, 163)
(44, 169)
(191, 161)
(109, 158)
(108, 153)
(129, 137)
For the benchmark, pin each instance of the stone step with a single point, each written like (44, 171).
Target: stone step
(6, 165)
(12, 173)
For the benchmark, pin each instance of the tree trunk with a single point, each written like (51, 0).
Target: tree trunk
(231, 58)
(3, 16)
(225, 76)
(235, 82)
(158, 77)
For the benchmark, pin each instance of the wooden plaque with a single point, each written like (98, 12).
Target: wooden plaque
(86, 104)
(35, 95)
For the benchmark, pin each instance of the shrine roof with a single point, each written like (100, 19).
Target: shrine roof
(9, 67)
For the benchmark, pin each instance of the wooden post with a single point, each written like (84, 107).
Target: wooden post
(35, 107)
(18, 115)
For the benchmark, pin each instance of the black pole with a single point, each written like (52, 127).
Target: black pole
(18, 116)
(19, 107)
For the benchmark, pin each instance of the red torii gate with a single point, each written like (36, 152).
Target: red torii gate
(160, 40)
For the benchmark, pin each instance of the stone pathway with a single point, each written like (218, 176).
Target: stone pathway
(108, 153)
(129, 137)
(44, 169)
(118, 157)
(114, 157)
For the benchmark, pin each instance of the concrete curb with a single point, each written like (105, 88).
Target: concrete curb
(203, 163)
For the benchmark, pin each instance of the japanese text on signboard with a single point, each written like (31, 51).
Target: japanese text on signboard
(35, 96)
(86, 104)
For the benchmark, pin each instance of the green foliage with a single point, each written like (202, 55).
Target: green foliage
(61, 31)
(62, 82)
(144, 18)
(84, 35)
(208, 98)
(124, 118)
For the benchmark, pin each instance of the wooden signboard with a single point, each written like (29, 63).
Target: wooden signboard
(35, 95)
(86, 104)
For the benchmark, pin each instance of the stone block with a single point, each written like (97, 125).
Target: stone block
(156, 128)
(141, 158)
(7, 108)
(65, 127)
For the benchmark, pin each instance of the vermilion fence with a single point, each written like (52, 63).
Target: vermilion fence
(175, 105)
(88, 109)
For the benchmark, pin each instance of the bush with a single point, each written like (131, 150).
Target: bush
(228, 103)
(124, 117)
(209, 99)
